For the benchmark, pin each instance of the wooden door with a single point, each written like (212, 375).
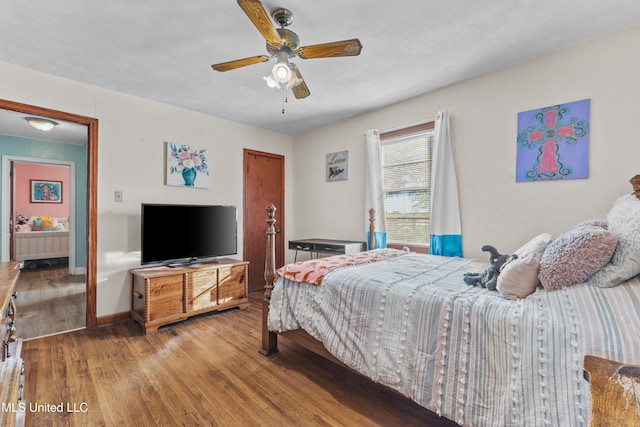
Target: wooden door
(12, 224)
(263, 185)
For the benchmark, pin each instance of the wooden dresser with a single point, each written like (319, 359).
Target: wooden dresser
(163, 295)
(11, 366)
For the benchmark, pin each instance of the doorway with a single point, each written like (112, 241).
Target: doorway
(90, 212)
(21, 173)
(263, 185)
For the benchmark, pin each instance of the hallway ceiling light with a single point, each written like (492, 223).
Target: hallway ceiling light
(41, 124)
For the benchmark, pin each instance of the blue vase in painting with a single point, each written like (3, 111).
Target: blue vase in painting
(189, 176)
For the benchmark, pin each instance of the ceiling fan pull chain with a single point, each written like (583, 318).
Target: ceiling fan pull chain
(284, 98)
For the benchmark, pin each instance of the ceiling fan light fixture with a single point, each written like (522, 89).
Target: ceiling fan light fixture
(281, 72)
(41, 124)
(271, 82)
(293, 81)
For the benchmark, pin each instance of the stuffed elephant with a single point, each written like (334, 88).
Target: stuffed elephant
(489, 277)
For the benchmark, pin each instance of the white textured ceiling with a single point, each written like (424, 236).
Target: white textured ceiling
(163, 50)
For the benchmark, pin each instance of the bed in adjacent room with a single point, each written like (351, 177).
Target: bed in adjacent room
(478, 357)
(40, 238)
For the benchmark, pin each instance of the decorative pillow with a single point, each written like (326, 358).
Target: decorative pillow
(594, 222)
(519, 278)
(537, 245)
(57, 226)
(624, 223)
(575, 255)
(47, 222)
(37, 225)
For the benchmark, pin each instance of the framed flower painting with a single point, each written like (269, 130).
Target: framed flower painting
(187, 166)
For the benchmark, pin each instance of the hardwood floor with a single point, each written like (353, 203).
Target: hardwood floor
(50, 301)
(205, 371)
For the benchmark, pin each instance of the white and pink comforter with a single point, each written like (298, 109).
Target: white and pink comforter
(463, 352)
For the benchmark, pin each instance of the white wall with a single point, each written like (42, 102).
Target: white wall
(483, 111)
(131, 135)
(494, 209)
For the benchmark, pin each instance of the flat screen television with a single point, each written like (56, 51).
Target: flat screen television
(182, 234)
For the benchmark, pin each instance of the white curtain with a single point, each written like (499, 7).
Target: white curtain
(374, 196)
(446, 236)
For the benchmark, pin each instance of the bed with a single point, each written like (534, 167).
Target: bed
(32, 243)
(474, 356)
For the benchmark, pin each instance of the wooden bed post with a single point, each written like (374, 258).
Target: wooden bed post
(372, 227)
(269, 339)
(614, 400)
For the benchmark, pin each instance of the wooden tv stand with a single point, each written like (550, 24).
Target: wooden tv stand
(163, 295)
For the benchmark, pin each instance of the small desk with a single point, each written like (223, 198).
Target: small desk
(326, 246)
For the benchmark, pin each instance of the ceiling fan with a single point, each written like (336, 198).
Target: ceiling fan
(283, 44)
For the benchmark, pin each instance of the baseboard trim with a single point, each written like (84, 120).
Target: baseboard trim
(113, 318)
(79, 271)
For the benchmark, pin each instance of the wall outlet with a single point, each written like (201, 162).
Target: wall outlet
(118, 196)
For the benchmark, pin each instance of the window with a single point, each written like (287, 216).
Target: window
(406, 176)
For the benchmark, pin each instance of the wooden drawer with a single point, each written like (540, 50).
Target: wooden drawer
(202, 289)
(164, 297)
(232, 283)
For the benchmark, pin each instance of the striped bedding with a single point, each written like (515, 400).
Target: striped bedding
(463, 352)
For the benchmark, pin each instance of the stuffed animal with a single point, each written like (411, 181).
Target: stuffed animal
(22, 222)
(21, 218)
(489, 277)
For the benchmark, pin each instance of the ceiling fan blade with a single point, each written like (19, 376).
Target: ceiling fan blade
(232, 65)
(300, 90)
(327, 50)
(256, 13)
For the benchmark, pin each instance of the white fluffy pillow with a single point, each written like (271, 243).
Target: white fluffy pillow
(575, 255)
(624, 223)
(519, 278)
(537, 245)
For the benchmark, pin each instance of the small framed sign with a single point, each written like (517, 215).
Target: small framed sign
(337, 168)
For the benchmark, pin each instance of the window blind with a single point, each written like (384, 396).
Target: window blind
(406, 174)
